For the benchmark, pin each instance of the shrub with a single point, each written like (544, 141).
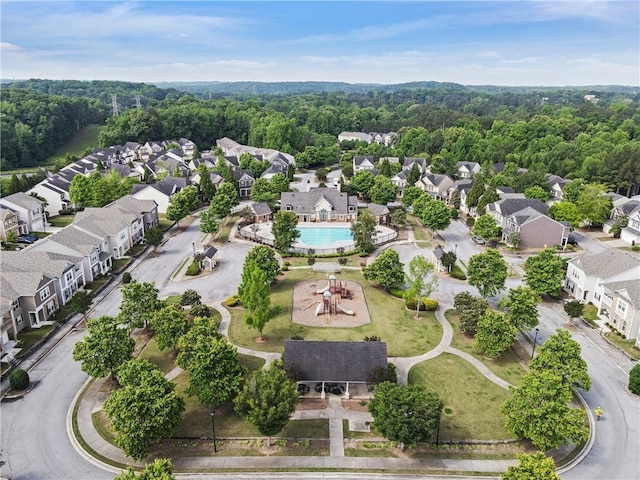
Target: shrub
(471, 221)
(342, 261)
(635, 248)
(193, 269)
(297, 337)
(456, 272)
(311, 260)
(363, 264)
(200, 310)
(19, 379)
(285, 268)
(232, 301)
(428, 305)
(363, 254)
(126, 277)
(634, 380)
(396, 292)
(287, 263)
(189, 297)
(372, 338)
(453, 213)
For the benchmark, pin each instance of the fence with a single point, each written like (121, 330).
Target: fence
(247, 233)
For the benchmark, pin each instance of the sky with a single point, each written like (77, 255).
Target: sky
(552, 43)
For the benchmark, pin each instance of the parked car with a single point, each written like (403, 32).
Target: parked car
(24, 239)
(29, 237)
(303, 389)
(478, 240)
(572, 240)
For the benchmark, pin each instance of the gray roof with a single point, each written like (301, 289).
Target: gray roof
(509, 206)
(526, 214)
(210, 252)
(607, 263)
(334, 361)
(468, 165)
(631, 286)
(23, 284)
(435, 178)
(438, 252)
(76, 239)
(408, 161)
(358, 159)
(136, 205)
(238, 174)
(261, 208)
(304, 202)
(505, 190)
(23, 200)
(49, 263)
(378, 210)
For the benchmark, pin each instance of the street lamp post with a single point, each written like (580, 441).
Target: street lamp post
(193, 247)
(535, 339)
(213, 427)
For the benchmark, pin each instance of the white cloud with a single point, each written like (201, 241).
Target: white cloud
(9, 47)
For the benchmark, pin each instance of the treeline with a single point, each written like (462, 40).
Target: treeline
(33, 125)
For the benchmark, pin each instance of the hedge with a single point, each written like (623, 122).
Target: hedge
(428, 305)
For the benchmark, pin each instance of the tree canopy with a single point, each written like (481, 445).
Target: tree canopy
(421, 281)
(284, 229)
(521, 307)
(363, 230)
(495, 333)
(386, 270)
(530, 466)
(544, 272)
(139, 303)
(487, 272)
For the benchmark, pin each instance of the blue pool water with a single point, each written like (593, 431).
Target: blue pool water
(319, 237)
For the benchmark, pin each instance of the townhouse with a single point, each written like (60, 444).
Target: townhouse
(467, 169)
(30, 210)
(364, 162)
(160, 192)
(436, 185)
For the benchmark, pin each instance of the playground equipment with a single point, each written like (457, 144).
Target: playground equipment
(329, 304)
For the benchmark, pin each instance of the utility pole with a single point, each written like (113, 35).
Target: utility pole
(137, 99)
(114, 104)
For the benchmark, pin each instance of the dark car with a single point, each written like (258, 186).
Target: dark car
(478, 240)
(24, 239)
(572, 240)
(28, 236)
(303, 389)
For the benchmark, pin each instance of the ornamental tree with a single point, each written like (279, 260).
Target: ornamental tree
(169, 324)
(387, 270)
(544, 272)
(410, 194)
(265, 258)
(105, 347)
(487, 272)
(220, 207)
(215, 373)
(284, 230)
(561, 354)
(209, 221)
(538, 410)
(81, 302)
(405, 413)
(521, 307)
(470, 309)
(533, 465)
(436, 216)
(254, 297)
(486, 227)
(383, 190)
(182, 204)
(160, 469)
(420, 203)
(268, 400)
(144, 410)
(495, 333)
(139, 303)
(574, 309)
(363, 230)
(229, 190)
(398, 217)
(153, 237)
(421, 279)
(565, 211)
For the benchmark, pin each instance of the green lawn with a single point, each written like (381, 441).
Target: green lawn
(85, 138)
(420, 233)
(61, 220)
(626, 345)
(163, 223)
(223, 234)
(390, 321)
(472, 403)
(352, 260)
(30, 336)
(590, 313)
(507, 366)
(162, 358)
(119, 264)
(98, 282)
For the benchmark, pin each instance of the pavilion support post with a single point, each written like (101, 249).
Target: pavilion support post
(322, 395)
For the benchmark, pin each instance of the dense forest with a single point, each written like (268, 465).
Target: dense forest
(548, 130)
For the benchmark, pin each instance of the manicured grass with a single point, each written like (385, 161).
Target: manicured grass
(119, 264)
(162, 358)
(420, 233)
(590, 313)
(137, 249)
(85, 138)
(63, 312)
(404, 335)
(173, 300)
(61, 220)
(627, 345)
(163, 223)
(352, 260)
(103, 427)
(4, 366)
(223, 234)
(507, 366)
(472, 403)
(30, 336)
(98, 282)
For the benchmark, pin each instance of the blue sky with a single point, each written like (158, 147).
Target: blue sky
(499, 43)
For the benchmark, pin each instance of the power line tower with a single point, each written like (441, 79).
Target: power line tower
(137, 99)
(114, 104)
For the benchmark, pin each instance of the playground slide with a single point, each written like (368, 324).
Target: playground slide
(322, 290)
(344, 310)
(319, 308)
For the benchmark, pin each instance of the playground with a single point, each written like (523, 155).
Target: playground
(331, 302)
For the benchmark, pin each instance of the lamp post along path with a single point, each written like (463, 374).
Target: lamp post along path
(213, 428)
(535, 340)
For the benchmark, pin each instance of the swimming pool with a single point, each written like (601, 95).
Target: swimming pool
(320, 237)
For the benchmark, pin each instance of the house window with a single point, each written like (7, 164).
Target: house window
(19, 319)
(15, 305)
(51, 306)
(622, 306)
(44, 293)
(68, 277)
(624, 325)
(289, 208)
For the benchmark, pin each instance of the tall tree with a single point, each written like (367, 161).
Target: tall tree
(414, 174)
(565, 211)
(279, 183)
(538, 192)
(405, 413)
(139, 303)
(268, 400)
(572, 190)
(495, 333)
(398, 217)
(160, 469)
(521, 307)
(209, 220)
(422, 281)
(530, 466)
(385, 168)
(387, 270)
(538, 410)
(105, 347)
(436, 216)
(486, 227)
(265, 259)
(207, 188)
(410, 194)
(169, 324)
(470, 309)
(544, 272)
(230, 190)
(593, 203)
(220, 206)
(182, 204)
(254, 296)
(487, 272)
(144, 410)
(561, 354)
(420, 204)
(363, 230)
(215, 373)
(383, 190)
(284, 230)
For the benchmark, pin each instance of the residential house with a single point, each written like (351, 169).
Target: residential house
(503, 192)
(556, 186)
(148, 209)
(161, 192)
(620, 307)
(536, 229)
(329, 361)
(232, 148)
(115, 224)
(209, 163)
(55, 191)
(436, 185)
(94, 250)
(419, 161)
(30, 210)
(400, 181)
(66, 270)
(468, 169)
(505, 208)
(130, 152)
(261, 212)
(245, 181)
(381, 212)
(31, 297)
(458, 186)
(587, 273)
(216, 179)
(354, 137)
(320, 205)
(9, 223)
(188, 148)
(363, 162)
(631, 208)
